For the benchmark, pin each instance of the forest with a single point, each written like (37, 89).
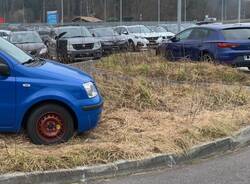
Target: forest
(34, 11)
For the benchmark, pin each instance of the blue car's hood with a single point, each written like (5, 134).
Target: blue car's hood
(55, 71)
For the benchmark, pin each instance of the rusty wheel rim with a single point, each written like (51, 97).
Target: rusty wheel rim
(51, 127)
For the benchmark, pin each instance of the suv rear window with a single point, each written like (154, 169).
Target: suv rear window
(236, 33)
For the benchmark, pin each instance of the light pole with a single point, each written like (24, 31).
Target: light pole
(222, 11)
(185, 10)
(62, 11)
(105, 10)
(23, 12)
(121, 12)
(44, 11)
(159, 11)
(179, 15)
(239, 11)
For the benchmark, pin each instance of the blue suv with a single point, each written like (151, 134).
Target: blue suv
(225, 44)
(50, 100)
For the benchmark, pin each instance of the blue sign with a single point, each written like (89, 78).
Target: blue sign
(52, 17)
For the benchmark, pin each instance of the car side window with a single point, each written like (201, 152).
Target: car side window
(118, 30)
(200, 34)
(184, 35)
(52, 34)
(3, 64)
(123, 30)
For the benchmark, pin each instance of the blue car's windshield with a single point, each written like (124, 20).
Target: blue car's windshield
(13, 51)
(236, 34)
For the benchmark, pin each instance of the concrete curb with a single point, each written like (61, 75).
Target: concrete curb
(125, 167)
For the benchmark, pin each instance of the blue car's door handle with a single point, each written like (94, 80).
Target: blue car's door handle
(26, 85)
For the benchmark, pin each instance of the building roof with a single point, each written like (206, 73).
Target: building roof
(86, 19)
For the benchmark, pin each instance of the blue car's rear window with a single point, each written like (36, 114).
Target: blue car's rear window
(236, 33)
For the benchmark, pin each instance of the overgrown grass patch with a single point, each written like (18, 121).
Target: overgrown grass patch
(144, 114)
(151, 66)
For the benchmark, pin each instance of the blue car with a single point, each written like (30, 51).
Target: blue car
(225, 44)
(50, 100)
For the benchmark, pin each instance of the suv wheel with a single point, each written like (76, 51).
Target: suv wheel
(50, 124)
(207, 58)
(168, 55)
(131, 46)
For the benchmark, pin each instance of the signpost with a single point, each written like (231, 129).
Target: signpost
(52, 17)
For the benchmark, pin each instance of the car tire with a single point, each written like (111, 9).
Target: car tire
(131, 46)
(207, 58)
(168, 55)
(50, 124)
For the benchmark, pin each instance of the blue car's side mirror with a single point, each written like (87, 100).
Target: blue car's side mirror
(4, 70)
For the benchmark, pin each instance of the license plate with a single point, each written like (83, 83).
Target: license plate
(247, 58)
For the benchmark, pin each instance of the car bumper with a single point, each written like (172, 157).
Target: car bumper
(84, 54)
(89, 113)
(114, 48)
(235, 58)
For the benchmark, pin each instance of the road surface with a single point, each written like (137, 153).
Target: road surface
(233, 168)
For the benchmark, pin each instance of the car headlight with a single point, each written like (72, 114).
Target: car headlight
(97, 45)
(43, 51)
(90, 89)
(70, 47)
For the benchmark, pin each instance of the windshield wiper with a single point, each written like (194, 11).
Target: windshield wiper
(77, 36)
(33, 60)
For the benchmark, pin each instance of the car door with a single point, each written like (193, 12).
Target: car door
(192, 45)
(176, 46)
(7, 96)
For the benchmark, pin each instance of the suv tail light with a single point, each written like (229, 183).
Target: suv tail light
(227, 45)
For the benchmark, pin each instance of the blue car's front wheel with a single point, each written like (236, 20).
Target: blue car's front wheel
(50, 124)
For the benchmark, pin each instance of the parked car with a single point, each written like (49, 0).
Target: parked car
(110, 40)
(73, 43)
(51, 101)
(5, 34)
(173, 28)
(161, 32)
(154, 39)
(227, 44)
(136, 41)
(30, 42)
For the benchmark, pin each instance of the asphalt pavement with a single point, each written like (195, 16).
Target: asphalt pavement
(233, 168)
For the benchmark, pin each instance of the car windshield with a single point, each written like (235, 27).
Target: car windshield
(72, 32)
(25, 37)
(104, 32)
(14, 52)
(139, 29)
(157, 29)
(236, 34)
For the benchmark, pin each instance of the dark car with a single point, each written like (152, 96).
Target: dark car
(110, 40)
(73, 43)
(227, 44)
(30, 42)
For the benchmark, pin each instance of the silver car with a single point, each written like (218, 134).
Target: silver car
(73, 43)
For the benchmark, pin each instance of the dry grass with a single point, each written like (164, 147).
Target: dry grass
(145, 64)
(143, 116)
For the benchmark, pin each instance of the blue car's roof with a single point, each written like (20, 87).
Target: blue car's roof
(225, 26)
